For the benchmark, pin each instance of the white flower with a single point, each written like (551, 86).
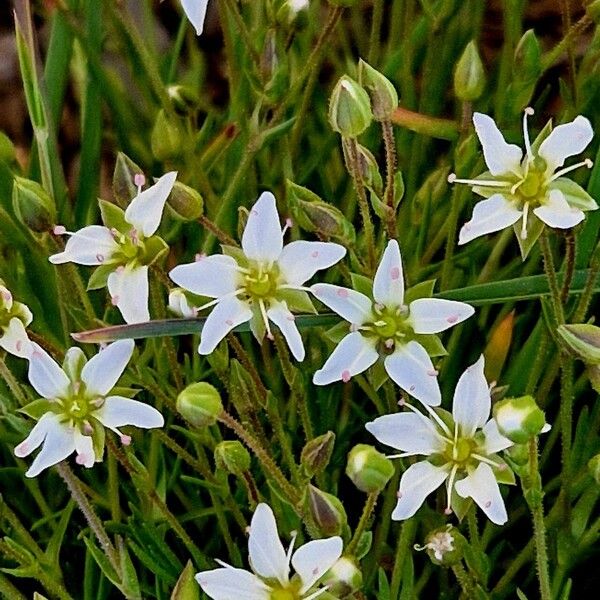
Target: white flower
(270, 579)
(260, 283)
(459, 454)
(123, 249)
(386, 327)
(180, 305)
(195, 11)
(515, 186)
(76, 405)
(14, 317)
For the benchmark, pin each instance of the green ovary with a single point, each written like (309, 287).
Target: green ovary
(77, 408)
(282, 594)
(261, 283)
(459, 452)
(390, 325)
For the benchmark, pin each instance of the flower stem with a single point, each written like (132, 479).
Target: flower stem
(569, 266)
(465, 580)
(11, 382)
(588, 289)
(374, 39)
(213, 228)
(550, 269)
(389, 143)
(405, 541)
(566, 427)
(363, 523)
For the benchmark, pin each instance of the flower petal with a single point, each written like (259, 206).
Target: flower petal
(284, 319)
(226, 315)
(36, 435)
(418, 481)
(490, 215)
(195, 11)
(315, 558)
(494, 440)
(232, 584)
(118, 411)
(353, 355)
(411, 368)
(146, 209)
(101, 373)
(267, 555)
(48, 379)
(500, 157)
(211, 276)
(407, 432)
(472, 403)
(564, 141)
(481, 485)
(84, 446)
(128, 289)
(432, 315)
(262, 239)
(349, 304)
(14, 339)
(300, 260)
(89, 246)
(556, 212)
(388, 285)
(58, 444)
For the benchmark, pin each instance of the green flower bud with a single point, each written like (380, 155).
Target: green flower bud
(349, 108)
(369, 469)
(180, 305)
(232, 457)
(519, 419)
(343, 578)
(594, 467)
(444, 546)
(469, 76)
(185, 202)
(185, 100)
(124, 188)
(369, 170)
(383, 94)
(33, 206)
(186, 587)
(167, 139)
(528, 57)
(200, 404)
(328, 512)
(317, 453)
(583, 340)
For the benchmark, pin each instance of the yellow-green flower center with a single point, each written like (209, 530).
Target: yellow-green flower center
(77, 406)
(131, 249)
(390, 325)
(261, 282)
(460, 451)
(282, 594)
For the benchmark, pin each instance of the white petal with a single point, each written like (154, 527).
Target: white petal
(411, 368)
(58, 444)
(118, 411)
(418, 481)
(556, 211)
(48, 379)
(349, 304)
(564, 141)
(432, 315)
(407, 432)
(195, 11)
(145, 210)
(500, 157)
(300, 260)
(180, 305)
(481, 485)
(494, 440)
(89, 246)
(226, 315)
(84, 446)
(101, 372)
(128, 289)
(262, 239)
(284, 319)
(211, 276)
(472, 403)
(315, 558)
(388, 285)
(232, 584)
(36, 435)
(353, 355)
(267, 555)
(14, 339)
(492, 214)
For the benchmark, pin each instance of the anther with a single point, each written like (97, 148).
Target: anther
(346, 376)
(125, 440)
(139, 180)
(452, 178)
(59, 230)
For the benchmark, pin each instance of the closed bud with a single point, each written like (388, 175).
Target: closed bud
(343, 578)
(180, 305)
(528, 57)
(33, 206)
(167, 139)
(369, 170)
(232, 456)
(327, 511)
(384, 98)
(583, 340)
(469, 76)
(185, 202)
(519, 419)
(444, 546)
(369, 470)
(349, 108)
(200, 404)
(317, 453)
(184, 99)
(594, 467)
(124, 188)
(186, 587)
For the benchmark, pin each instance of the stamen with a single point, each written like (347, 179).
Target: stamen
(448, 439)
(263, 312)
(527, 113)
(139, 180)
(584, 163)
(479, 182)
(291, 546)
(438, 420)
(217, 300)
(449, 487)
(524, 225)
(486, 460)
(289, 286)
(401, 455)
(288, 224)
(59, 230)
(318, 593)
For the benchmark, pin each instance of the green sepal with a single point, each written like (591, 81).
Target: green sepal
(257, 324)
(377, 374)
(186, 587)
(126, 392)
(154, 248)
(338, 332)
(364, 544)
(113, 217)
(574, 194)
(505, 474)
(534, 230)
(74, 362)
(236, 253)
(541, 136)
(399, 188)
(460, 506)
(421, 290)
(445, 416)
(98, 438)
(362, 284)
(99, 278)
(380, 208)
(432, 344)
(297, 301)
(37, 409)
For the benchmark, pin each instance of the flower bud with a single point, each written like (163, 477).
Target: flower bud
(519, 419)
(180, 305)
(317, 453)
(186, 587)
(369, 470)
(369, 170)
(185, 100)
(384, 98)
(7, 149)
(185, 202)
(469, 76)
(232, 456)
(343, 578)
(444, 546)
(528, 57)
(167, 137)
(327, 511)
(200, 404)
(124, 188)
(33, 206)
(583, 340)
(349, 108)
(594, 467)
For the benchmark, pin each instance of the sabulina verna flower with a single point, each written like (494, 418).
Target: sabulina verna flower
(261, 283)
(77, 404)
(124, 249)
(270, 577)
(14, 318)
(384, 326)
(460, 449)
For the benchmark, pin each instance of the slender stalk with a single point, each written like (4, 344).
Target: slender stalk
(550, 269)
(389, 143)
(11, 382)
(465, 580)
(363, 523)
(233, 9)
(588, 289)
(566, 427)
(374, 38)
(223, 237)
(407, 535)
(8, 590)
(569, 266)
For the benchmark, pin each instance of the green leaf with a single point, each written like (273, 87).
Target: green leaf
(130, 585)
(364, 544)
(53, 548)
(102, 561)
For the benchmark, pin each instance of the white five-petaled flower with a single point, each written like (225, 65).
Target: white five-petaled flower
(461, 450)
(14, 317)
(76, 405)
(124, 250)
(385, 326)
(528, 188)
(263, 282)
(270, 579)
